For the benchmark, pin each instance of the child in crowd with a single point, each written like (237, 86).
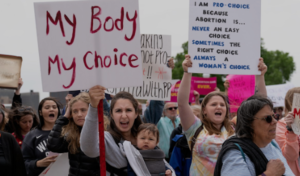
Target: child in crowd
(147, 140)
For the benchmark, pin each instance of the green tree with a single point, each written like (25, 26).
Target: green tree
(280, 66)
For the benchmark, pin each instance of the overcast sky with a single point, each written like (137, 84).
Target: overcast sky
(279, 28)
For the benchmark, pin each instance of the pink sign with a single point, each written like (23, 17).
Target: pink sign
(204, 85)
(240, 88)
(174, 92)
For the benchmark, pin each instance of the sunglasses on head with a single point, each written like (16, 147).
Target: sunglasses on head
(171, 108)
(269, 118)
(25, 109)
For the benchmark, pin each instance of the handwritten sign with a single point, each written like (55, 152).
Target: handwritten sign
(85, 43)
(296, 110)
(240, 88)
(277, 93)
(224, 37)
(10, 71)
(174, 92)
(204, 85)
(157, 77)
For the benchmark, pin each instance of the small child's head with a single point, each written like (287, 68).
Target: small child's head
(148, 136)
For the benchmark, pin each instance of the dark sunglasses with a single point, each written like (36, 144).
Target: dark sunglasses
(171, 108)
(269, 118)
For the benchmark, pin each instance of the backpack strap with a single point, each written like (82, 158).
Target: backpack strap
(195, 138)
(242, 152)
(273, 143)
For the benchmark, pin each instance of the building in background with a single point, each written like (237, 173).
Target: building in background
(60, 96)
(29, 99)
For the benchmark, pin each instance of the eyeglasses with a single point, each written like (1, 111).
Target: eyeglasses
(269, 118)
(172, 108)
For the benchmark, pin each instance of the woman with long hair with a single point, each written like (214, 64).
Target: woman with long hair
(34, 147)
(65, 136)
(286, 138)
(124, 124)
(206, 134)
(22, 120)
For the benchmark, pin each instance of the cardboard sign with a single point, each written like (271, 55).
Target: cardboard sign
(296, 110)
(204, 85)
(174, 93)
(240, 88)
(276, 93)
(10, 71)
(157, 76)
(85, 43)
(59, 167)
(224, 36)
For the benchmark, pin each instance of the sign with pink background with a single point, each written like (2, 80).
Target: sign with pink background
(240, 88)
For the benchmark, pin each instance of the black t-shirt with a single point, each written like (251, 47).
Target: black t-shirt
(4, 164)
(34, 148)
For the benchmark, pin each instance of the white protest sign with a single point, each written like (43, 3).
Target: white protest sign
(85, 43)
(296, 111)
(224, 36)
(157, 76)
(276, 93)
(59, 167)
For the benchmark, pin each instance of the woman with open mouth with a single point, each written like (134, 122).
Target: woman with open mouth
(124, 124)
(206, 134)
(34, 147)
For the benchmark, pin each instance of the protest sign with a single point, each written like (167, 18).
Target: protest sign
(276, 93)
(240, 88)
(224, 37)
(157, 76)
(174, 92)
(296, 111)
(10, 71)
(204, 85)
(59, 167)
(85, 43)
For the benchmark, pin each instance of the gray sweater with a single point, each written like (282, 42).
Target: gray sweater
(89, 142)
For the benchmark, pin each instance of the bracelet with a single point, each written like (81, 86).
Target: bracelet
(185, 71)
(263, 174)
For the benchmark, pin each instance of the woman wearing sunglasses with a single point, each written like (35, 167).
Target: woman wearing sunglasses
(253, 151)
(22, 120)
(286, 138)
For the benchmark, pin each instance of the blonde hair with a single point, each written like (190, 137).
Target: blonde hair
(71, 132)
(288, 100)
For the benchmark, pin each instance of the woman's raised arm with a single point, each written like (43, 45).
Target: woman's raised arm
(185, 112)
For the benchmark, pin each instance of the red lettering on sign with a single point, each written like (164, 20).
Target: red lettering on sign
(296, 113)
(56, 60)
(133, 25)
(130, 60)
(95, 16)
(57, 19)
(112, 24)
(120, 20)
(73, 24)
(84, 60)
(73, 66)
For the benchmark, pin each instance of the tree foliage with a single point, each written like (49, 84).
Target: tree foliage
(280, 66)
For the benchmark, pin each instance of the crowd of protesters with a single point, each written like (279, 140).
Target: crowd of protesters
(204, 139)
